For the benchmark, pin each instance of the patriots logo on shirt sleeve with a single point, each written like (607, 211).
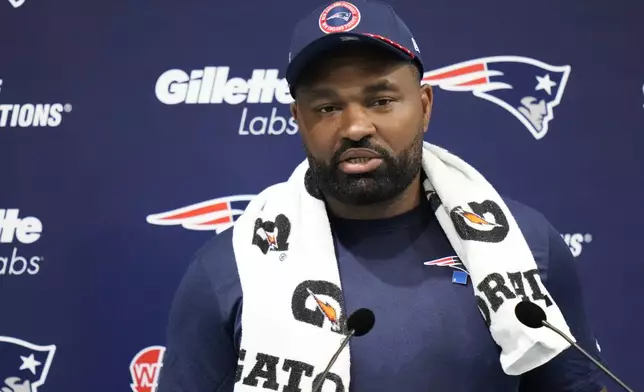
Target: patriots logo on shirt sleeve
(460, 275)
(23, 365)
(529, 89)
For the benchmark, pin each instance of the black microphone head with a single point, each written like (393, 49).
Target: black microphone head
(530, 314)
(361, 321)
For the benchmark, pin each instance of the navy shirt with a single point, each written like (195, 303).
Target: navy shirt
(430, 334)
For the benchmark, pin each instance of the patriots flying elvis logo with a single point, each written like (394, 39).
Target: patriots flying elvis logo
(16, 4)
(23, 365)
(529, 89)
(459, 275)
(217, 214)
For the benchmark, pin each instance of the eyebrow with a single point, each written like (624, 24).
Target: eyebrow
(325, 92)
(383, 85)
(318, 92)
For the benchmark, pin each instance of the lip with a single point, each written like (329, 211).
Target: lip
(360, 167)
(373, 161)
(358, 153)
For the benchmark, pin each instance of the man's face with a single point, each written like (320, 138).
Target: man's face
(362, 117)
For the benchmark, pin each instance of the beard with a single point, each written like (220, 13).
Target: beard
(385, 183)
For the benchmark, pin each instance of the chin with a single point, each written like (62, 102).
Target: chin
(364, 190)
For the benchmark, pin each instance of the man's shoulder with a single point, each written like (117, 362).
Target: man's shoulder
(528, 218)
(219, 243)
(217, 258)
(535, 227)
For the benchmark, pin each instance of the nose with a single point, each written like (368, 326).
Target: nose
(355, 123)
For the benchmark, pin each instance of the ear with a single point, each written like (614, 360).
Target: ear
(294, 112)
(296, 117)
(427, 100)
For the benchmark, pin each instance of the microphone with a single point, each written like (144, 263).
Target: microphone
(359, 323)
(531, 315)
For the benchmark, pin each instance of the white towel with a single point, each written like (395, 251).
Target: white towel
(293, 312)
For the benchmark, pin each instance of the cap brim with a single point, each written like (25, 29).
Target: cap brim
(327, 43)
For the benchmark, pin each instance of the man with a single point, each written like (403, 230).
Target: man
(362, 115)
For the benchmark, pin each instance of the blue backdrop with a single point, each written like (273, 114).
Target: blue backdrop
(118, 119)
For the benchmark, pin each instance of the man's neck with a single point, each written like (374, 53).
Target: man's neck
(406, 201)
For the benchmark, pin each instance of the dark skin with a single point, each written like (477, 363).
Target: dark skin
(359, 94)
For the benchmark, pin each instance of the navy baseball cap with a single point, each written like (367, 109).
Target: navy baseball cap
(342, 22)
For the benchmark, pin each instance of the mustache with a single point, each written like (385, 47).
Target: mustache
(348, 144)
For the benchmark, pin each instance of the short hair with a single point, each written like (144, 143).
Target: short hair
(416, 69)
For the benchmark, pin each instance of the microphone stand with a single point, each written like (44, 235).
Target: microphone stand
(617, 380)
(318, 385)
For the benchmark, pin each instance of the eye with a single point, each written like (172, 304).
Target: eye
(382, 101)
(327, 109)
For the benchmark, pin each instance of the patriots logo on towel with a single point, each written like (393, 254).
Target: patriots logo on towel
(23, 365)
(217, 214)
(529, 89)
(272, 236)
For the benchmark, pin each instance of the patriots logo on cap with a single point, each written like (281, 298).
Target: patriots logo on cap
(23, 365)
(529, 89)
(339, 17)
